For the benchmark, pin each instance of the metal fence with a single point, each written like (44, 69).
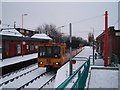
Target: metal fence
(80, 77)
(114, 60)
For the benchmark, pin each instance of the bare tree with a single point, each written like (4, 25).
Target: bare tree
(51, 31)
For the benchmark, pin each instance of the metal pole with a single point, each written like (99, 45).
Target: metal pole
(93, 47)
(22, 36)
(93, 53)
(70, 69)
(14, 24)
(22, 21)
(106, 40)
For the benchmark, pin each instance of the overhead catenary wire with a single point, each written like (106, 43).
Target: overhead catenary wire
(66, 25)
(87, 19)
(83, 20)
(117, 22)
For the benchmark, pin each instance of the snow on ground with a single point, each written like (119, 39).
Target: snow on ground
(99, 62)
(87, 51)
(40, 82)
(17, 59)
(19, 73)
(103, 78)
(99, 78)
(64, 70)
(24, 79)
(50, 85)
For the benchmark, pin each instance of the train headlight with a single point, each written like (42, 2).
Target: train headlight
(56, 63)
(41, 62)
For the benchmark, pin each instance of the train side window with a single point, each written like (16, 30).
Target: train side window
(42, 52)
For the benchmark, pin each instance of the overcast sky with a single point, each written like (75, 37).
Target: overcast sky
(84, 16)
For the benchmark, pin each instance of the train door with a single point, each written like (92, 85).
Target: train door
(12, 49)
(23, 47)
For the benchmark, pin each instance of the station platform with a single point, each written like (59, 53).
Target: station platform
(17, 59)
(99, 76)
(102, 77)
(15, 63)
(64, 70)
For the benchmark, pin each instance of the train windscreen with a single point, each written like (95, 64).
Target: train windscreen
(49, 52)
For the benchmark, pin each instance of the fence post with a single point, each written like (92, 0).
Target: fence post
(79, 75)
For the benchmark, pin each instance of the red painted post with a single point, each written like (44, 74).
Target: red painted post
(106, 40)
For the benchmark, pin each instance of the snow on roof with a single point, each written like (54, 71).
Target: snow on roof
(41, 36)
(11, 32)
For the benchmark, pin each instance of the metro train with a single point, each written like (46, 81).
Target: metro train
(51, 56)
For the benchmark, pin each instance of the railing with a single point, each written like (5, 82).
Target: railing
(114, 60)
(80, 76)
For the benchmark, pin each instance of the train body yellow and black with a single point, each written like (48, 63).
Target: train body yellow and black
(51, 55)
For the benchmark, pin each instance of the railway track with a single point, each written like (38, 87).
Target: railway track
(45, 77)
(17, 75)
(17, 71)
(40, 81)
(23, 80)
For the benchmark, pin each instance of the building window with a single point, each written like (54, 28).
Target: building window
(27, 47)
(19, 49)
(22, 31)
(27, 32)
(32, 47)
(36, 46)
(117, 34)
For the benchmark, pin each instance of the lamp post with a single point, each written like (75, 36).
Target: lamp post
(93, 47)
(59, 28)
(70, 64)
(23, 42)
(22, 18)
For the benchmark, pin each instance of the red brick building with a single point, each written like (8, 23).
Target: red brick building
(113, 43)
(16, 41)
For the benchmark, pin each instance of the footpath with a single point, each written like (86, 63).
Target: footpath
(102, 77)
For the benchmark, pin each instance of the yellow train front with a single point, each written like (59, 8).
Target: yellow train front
(51, 55)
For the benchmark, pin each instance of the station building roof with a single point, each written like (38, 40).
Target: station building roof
(13, 32)
(41, 36)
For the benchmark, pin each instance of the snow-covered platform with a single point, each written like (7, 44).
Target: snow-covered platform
(17, 59)
(63, 72)
(103, 77)
(98, 77)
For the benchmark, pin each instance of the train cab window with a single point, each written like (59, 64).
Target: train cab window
(49, 52)
(56, 52)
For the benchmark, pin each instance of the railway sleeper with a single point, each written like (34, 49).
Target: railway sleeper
(22, 87)
(12, 80)
(6, 82)
(1, 84)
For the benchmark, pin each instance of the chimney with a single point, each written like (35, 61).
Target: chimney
(111, 28)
